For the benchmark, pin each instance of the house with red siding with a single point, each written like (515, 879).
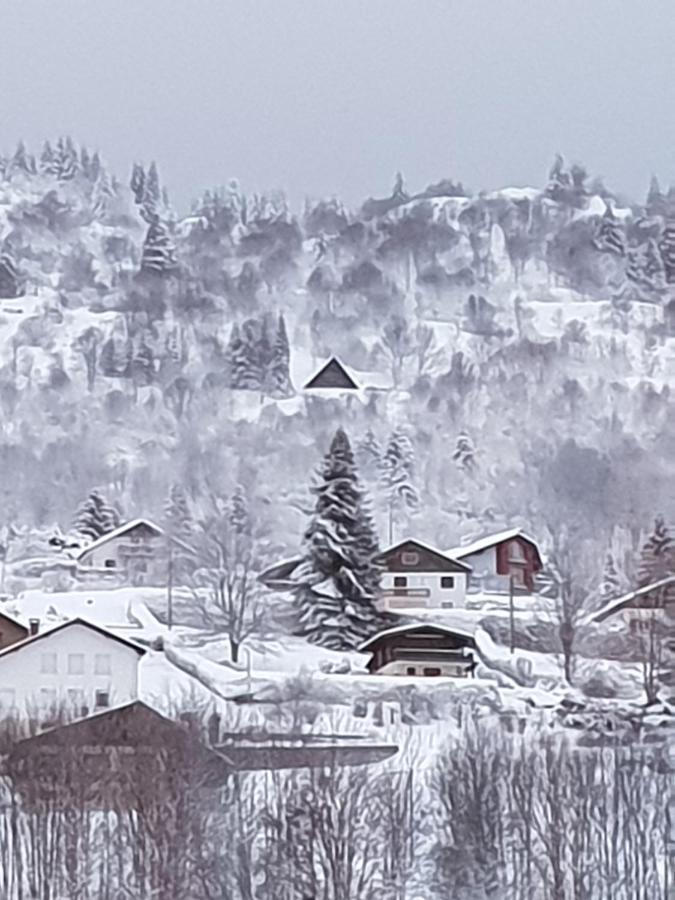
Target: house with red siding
(500, 560)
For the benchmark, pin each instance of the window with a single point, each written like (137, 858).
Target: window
(432, 671)
(102, 664)
(411, 670)
(447, 582)
(410, 559)
(110, 564)
(48, 698)
(141, 566)
(516, 552)
(400, 581)
(102, 699)
(48, 664)
(76, 663)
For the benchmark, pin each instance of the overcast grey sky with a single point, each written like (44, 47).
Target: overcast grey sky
(333, 96)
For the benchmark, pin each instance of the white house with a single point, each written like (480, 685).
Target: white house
(76, 666)
(418, 576)
(134, 553)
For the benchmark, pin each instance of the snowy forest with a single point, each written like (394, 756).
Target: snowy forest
(514, 354)
(520, 342)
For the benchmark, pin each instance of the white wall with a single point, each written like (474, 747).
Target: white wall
(438, 596)
(25, 686)
(448, 669)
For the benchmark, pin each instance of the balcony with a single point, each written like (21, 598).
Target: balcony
(405, 592)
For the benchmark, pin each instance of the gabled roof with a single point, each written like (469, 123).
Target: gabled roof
(31, 639)
(637, 599)
(450, 563)
(332, 375)
(13, 620)
(417, 626)
(117, 532)
(491, 540)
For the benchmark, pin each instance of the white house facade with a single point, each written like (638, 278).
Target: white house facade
(419, 577)
(76, 667)
(133, 553)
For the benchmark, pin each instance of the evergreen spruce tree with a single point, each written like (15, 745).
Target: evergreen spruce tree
(610, 586)
(240, 517)
(656, 202)
(178, 522)
(115, 358)
(47, 165)
(369, 454)
(137, 183)
(142, 363)
(667, 250)
(338, 579)
(95, 517)
(278, 373)
(152, 194)
(10, 281)
(95, 167)
(465, 452)
(22, 161)
(65, 160)
(657, 559)
(397, 477)
(610, 237)
(159, 252)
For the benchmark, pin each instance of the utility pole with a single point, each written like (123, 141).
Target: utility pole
(512, 627)
(169, 587)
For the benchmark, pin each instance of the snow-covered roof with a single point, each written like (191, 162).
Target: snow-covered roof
(31, 639)
(428, 548)
(490, 540)
(402, 629)
(627, 600)
(117, 532)
(117, 608)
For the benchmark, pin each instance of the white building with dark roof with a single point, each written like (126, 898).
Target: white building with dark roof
(76, 666)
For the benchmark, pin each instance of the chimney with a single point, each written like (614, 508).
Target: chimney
(33, 626)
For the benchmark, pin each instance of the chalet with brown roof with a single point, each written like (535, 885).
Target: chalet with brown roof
(421, 649)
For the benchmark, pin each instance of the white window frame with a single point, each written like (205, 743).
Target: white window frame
(49, 664)
(410, 558)
(76, 663)
(102, 664)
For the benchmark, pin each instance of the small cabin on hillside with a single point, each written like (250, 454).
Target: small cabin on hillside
(418, 576)
(421, 650)
(135, 553)
(11, 630)
(500, 560)
(637, 609)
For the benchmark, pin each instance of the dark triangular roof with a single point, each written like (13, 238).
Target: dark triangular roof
(332, 375)
(434, 559)
(31, 639)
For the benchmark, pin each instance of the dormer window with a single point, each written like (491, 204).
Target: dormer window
(410, 558)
